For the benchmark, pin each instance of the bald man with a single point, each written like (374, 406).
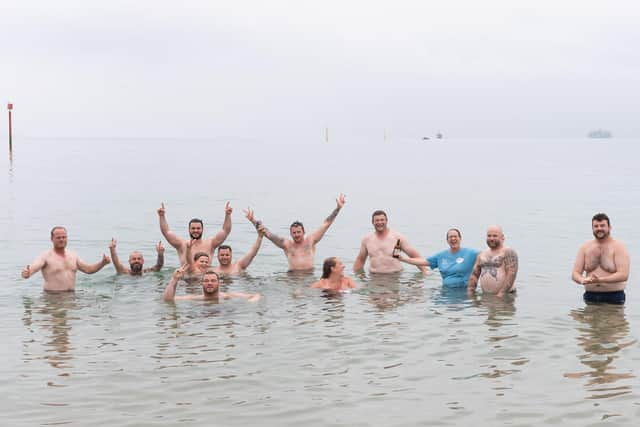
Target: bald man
(496, 268)
(136, 261)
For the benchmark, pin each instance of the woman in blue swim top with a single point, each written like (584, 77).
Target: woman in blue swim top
(455, 264)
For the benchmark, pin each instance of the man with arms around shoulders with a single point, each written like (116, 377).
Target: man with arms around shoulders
(136, 261)
(379, 247)
(300, 250)
(195, 232)
(210, 288)
(496, 268)
(59, 265)
(226, 266)
(333, 279)
(602, 265)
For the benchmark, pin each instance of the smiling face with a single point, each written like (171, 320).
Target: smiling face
(202, 262)
(601, 229)
(136, 261)
(195, 229)
(224, 256)
(210, 283)
(338, 268)
(59, 238)
(454, 239)
(297, 233)
(379, 222)
(495, 237)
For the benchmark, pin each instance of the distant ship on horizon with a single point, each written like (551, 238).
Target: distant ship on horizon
(600, 133)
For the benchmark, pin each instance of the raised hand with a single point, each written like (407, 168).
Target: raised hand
(340, 201)
(228, 209)
(160, 248)
(26, 272)
(105, 259)
(161, 210)
(112, 245)
(248, 213)
(180, 271)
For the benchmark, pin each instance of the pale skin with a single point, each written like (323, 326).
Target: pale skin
(59, 265)
(195, 268)
(378, 247)
(195, 231)
(496, 268)
(300, 250)
(337, 281)
(210, 289)
(136, 260)
(229, 268)
(602, 264)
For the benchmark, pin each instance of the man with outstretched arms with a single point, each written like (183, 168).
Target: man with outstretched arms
(496, 268)
(379, 247)
(225, 254)
(210, 288)
(136, 261)
(300, 249)
(602, 265)
(59, 265)
(195, 232)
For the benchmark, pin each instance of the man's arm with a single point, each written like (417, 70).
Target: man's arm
(35, 266)
(510, 269)
(159, 261)
(171, 237)
(92, 268)
(249, 256)
(317, 235)
(222, 235)
(417, 261)
(413, 253)
(277, 240)
(475, 275)
(361, 258)
(578, 267)
(248, 297)
(170, 290)
(121, 269)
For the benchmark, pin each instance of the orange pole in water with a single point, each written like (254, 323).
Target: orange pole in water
(10, 107)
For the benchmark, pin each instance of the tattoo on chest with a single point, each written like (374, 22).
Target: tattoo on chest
(491, 266)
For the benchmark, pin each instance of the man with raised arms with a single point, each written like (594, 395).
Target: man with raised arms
(379, 247)
(210, 288)
(300, 250)
(333, 279)
(195, 232)
(59, 265)
(602, 265)
(496, 267)
(136, 261)
(226, 266)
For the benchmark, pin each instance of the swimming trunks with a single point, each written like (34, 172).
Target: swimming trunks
(616, 297)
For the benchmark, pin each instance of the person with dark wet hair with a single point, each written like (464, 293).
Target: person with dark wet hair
(333, 278)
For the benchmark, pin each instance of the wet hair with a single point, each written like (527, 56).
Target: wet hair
(57, 227)
(224, 247)
(296, 224)
(378, 212)
(456, 230)
(209, 272)
(328, 264)
(200, 255)
(198, 220)
(601, 217)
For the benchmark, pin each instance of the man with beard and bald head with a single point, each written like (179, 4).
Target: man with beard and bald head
(136, 261)
(602, 265)
(496, 268)
(210, 288)
(196, 227)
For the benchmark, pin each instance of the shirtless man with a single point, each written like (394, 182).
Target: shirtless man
(602, 265)
(333, 279)
(136, 261)
(228, 268)
(195, 231)
(379, 246)
(59, 265)
(210, 288)
(496, 267)
(301, 249)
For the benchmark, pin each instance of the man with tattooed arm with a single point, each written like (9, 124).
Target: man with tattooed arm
(300, 250)
(496, 268)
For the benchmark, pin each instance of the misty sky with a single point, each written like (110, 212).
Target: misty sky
(287, 69)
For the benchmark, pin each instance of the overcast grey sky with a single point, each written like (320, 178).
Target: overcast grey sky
(287, 69)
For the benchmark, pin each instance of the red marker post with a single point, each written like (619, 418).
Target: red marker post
(10, 107)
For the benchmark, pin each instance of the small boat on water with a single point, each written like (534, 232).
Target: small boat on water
(600, 133)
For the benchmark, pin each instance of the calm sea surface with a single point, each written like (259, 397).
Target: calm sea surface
(398, 351)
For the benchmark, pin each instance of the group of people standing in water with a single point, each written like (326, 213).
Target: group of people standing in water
(601, 266)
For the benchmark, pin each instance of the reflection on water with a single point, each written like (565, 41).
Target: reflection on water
(51, 313)
(390, 291)
(602, 329)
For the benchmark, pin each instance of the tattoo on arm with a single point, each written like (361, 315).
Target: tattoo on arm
(277, 240)
(511, 265)
(333, 215)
